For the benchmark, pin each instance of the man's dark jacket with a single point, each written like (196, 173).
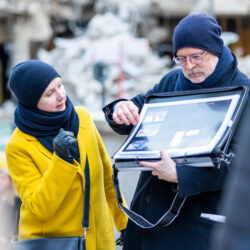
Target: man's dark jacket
(153, 197)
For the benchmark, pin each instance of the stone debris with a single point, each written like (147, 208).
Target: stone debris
(133, 66)
(129, 58)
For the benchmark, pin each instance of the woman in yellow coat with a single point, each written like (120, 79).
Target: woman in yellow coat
(47, 163)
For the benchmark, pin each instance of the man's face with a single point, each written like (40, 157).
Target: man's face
(197, 73)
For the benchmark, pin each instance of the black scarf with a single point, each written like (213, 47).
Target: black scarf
(225, 64)
(46, 125)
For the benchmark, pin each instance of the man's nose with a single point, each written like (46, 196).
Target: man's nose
(189, 65)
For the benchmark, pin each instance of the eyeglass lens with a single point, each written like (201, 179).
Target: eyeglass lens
(194, 59)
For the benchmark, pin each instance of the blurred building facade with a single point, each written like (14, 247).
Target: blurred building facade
(27, 25)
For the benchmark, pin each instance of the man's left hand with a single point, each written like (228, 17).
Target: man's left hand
(165, 169)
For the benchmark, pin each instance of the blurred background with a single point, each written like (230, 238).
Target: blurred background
(106, 49)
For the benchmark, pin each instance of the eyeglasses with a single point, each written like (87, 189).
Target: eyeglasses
(194, 59)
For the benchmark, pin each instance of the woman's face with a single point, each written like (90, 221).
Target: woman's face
(54, 97)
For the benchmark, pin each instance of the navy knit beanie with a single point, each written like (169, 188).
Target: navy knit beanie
(198, 31)
(29, 79)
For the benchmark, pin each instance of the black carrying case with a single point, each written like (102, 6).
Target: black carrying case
(214, 159)
(219, 152)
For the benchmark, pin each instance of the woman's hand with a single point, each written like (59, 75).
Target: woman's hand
(120, 240)
(62, 143)
(165, 169)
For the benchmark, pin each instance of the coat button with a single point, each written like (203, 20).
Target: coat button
(147, 199)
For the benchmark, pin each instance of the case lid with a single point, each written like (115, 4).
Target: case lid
(186, 124)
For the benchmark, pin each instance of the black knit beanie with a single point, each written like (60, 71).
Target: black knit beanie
(29, 79)
(198, 31)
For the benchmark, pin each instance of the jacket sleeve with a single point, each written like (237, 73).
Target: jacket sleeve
(119, 217)
(195, 180)
(41, 193)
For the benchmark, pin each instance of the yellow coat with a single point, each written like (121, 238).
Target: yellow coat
(52, 190)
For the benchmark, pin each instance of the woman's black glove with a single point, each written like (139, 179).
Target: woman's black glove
(120, 240)
(62, 142)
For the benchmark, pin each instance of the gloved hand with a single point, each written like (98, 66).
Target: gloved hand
(120, 240)
(62, 143)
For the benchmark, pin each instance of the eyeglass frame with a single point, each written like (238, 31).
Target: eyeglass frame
(201, 55)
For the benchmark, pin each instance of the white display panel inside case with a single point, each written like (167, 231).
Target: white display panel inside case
(184, 128)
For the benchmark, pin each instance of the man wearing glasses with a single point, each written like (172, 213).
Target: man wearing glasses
(204, 63)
